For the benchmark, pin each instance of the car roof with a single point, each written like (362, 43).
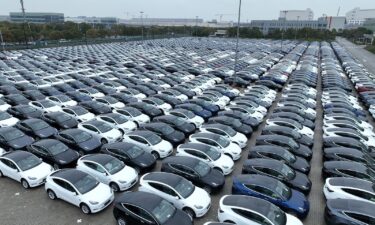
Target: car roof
(71, 175)
(257, 179)
(169, 179)
(102, 159)
(141, 199)
(198, 146)
(356, 166)
(263, 162)
(46, 142)
(17, 155)
(183, 160)
(352, 182)
(252, 203)
(351, 205)
(206, 135)
(142, 133)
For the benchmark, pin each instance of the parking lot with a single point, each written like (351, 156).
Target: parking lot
(32, 206)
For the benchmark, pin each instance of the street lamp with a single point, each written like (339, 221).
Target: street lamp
(238, 37)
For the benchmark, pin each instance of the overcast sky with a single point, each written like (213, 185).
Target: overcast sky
(206, 9)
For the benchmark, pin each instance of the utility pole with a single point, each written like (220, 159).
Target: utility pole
(24, 22)
(295, 35)
(196, 26)
(142, 24)
(238, 37)
(2, 41)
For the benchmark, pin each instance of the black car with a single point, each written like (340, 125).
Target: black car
(232, 122)
(124, 98)
(287, 143)
(177, 123)
(25, 111)
(243, 117)
(79, 96)
(270, 84)
(280, 153)
(168, 99)
(96, 107)
(349, 212)
(79, 140)
(12, 138)
(196, 109)
(348, 154)
(131, 155)
(34, 95)
(54, 153)
(293, 116)
(60, 120)
(296, 110)
(165, 131)
(346, 142)
(205, 105)
(146, 208)
(200, 173)
(348, 169)
(50, 91)
(278, 170)
(8, 90)
(16, 99)
(36, 128)
(288, 132)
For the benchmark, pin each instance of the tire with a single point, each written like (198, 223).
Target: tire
(104, 141)
(228, 221)
(51, 194)
(25, 184)
(207, 189)
(189, 212)
(85, 209)
(114, 187)
(121, 221)
(155, 154)
(56, 167)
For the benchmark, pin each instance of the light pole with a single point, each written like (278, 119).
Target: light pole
(2, 41)
(142, 24)
(238, 37)
(196, 26)
(297, 27)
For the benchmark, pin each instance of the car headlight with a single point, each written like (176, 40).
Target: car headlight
(162, 150)
(94, 202)
(198, 206)
(226, 167)
(62, 161)
(301, 209)
(32, 178)
(123, 181)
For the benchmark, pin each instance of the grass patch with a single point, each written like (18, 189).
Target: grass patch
(371, 48)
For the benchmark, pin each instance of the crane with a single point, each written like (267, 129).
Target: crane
(223, 14)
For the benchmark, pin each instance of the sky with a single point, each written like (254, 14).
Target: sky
(206, 9)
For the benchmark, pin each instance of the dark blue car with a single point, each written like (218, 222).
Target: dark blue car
(196, 109)
(272, 190)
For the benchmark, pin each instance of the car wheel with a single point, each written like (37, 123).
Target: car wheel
(207, 189)
(121, 221)
(189, 212)
(114, 187)
(228, 221)
(55, 166)
(51, 194)
(155, 154)
(104, 141)
(25, 184)
(85, 209)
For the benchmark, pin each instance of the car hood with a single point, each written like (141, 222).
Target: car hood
(100, 193)
(144, 160)
(298, 200)
(214, 178)
(67, 157)
(69, 123)
(302, 165)
(46, 132)
(179, 218)
(200, 197)
(21, 142)
(40, 171)
(301, 181)
(305, 140)
(90, 144)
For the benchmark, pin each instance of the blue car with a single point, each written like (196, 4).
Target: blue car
(196, 109)
(272, 190)
(358, 112)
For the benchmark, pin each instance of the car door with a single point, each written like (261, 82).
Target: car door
(167, 193)
(91, 129)
(66, 192)
(24, 127)
(10, 169)
(3, 143)
(67, 140)
(250, 218)
(136, 215)
(97, 171)
(43, 153)
(140, 141)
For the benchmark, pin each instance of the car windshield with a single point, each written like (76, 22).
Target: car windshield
(289, 157)
(164, 211)
(86, 184)
(276, 215)
(80, 111)
(28, 109)
(29, 162)
(103, 127)
(47, 104)
(230, 131)
(82, 137)
(63, 117)
(283, 190)
(185, 188)
(63, 98)
(133, 112)
(154, 139)
(166, 129)
(213, 153)
(120, 119)
(179, 121)
(371, 172)
(113, 166)
(189, 114)
(289, 173)
(223, 142)
(39, 124)
(4, 116)
(111, 100)
(202, 169)
(293, 144)
(57, 148)
(134, 151)
(13, 134)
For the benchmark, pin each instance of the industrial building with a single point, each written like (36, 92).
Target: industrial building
(369, 24)
(163, 21)
(358, 16)
(306, 14)
(107, 21)
(37, 17)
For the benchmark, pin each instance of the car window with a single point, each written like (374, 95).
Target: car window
(89, 127)
(95, 166)
(359, 193)
(270, 172)
(362, 218)
(355, 174)
(139, 139)
(9, 164)
(196, 153)
(252, 216)
(164, 189)
(266, 191)
(64, 185)
(67, 137)
(216, 131)
(69, 111)
(350, 157)
(139, 213)
(107, 119)
(206, 141)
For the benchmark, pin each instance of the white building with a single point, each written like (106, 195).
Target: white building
(358, 16)
(306, 14)
(335, 22)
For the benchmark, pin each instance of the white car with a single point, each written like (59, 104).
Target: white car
(105, 132)
(349, 188)
(213, 100)
(81, 114)
(45, 105)
(80, 189)
(208, 154)
(6, 120)
(133, 114)
(347, 132)
(175, 94)
(4, 106)
(345, 124)
(254, 106)
(158, 103)
(118, 121)
(247, 210)
(92, 92)
(220, 142)
(111, 101)
(24, 167)
(62, 100)
(225, 131)
(340, 116)
(187, 115)
(255, 114)
(151, 142)
(303, 130)
(109, 170)
(179, 191)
